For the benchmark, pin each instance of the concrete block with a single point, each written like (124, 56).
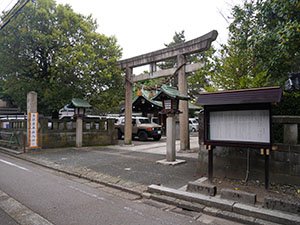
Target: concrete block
(266, 214)
(193, 197)
(206, 189)
(280, 156)
(239, 196)
(146, 195)
(290, 133)
(282, 205)
(296, 170)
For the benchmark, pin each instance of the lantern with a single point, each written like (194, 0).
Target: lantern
(79, 106)
(170, 97)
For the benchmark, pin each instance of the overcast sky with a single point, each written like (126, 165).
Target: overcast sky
(142, 26)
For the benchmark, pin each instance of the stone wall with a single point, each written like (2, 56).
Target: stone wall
(59, 133)
(13, 134)
(232, 162)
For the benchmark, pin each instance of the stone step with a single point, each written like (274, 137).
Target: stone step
(258, 213)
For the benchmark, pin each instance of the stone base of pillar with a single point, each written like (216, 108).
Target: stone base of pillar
(171, 138)
(171, 163)
(79, 127)
(127, 145)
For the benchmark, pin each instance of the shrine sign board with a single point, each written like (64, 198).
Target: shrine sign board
(240, 118)
(33, 130)
(240, 126)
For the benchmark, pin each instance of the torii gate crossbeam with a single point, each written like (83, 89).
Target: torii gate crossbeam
(178, 51)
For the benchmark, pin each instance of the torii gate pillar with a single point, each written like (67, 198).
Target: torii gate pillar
(183, 106)
(128, 108)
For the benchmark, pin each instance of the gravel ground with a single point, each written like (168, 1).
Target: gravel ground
(288, 192)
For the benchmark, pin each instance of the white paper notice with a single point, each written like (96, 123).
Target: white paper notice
(33, 130)
(242, 125)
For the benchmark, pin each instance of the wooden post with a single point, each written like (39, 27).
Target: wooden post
(128, 108)
(267, 153)
(183, 106)
(210, 162)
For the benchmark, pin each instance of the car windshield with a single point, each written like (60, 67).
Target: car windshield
(143, 121)
(155, 120)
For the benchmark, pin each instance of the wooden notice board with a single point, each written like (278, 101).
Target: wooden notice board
(239, 118)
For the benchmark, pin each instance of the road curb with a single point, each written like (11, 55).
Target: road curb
(226, 209)
(19, 212)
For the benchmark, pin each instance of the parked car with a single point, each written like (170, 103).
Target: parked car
(141, 128)
(193, 124)
(154, 120)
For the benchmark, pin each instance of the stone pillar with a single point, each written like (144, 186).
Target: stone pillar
(153, 67)
(290, 133)
(183, 106)
(171, 138)
(128, 108)
(31, 102)
(78, 131)
(31, 108)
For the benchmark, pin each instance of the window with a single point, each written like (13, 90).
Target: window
(144, 121)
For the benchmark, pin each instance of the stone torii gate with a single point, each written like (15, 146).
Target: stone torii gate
(178, 51)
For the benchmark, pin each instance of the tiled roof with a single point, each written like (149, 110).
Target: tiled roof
(77, 102)
(172, 92)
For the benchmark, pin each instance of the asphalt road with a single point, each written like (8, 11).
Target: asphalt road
(5, 219)
(65, 201)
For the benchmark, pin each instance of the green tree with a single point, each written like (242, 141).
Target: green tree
(200, 80)
(235, 64)
(177, 39)
(263, 46)
(56, 52)
(277, 41)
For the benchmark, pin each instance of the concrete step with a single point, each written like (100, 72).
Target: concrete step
(15, 151)
(221, 207)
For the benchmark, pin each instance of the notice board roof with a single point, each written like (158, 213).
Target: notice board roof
(241, 96)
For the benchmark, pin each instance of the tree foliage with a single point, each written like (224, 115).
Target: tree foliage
(178, 38)
(263, 46)
(56, 52)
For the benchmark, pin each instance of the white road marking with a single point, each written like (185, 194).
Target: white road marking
(133, 210)
(12, 164)
(90, 194)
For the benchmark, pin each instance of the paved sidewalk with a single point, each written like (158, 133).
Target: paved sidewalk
(136, 163)
(159, 147)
